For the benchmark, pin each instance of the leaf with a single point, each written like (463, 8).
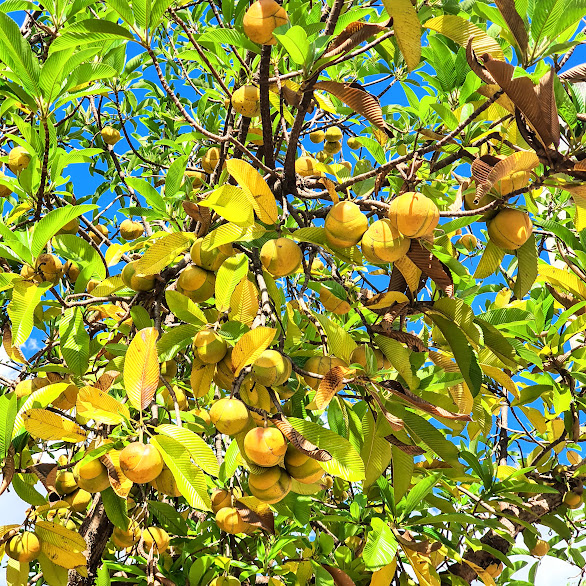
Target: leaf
(340, 577)
(232, 203)
(141, 368)
(53, 574)
(17, 573)
(118, 480)
(340, 342)
(163, 252)
(244, 302)
(255, 512)
(575, 74)
(46, 425)
(515, 23)
(354, 34)
(384, 576)
(189, 478)
(251, 346)
(430, 266)
(527, 267)
(431, 437)
(74, 340)
(297, 439)
(547, 102)
(231, 233)
(381, 545)
(403, 466)
(92, 403)
(329, 385)
(175, 340)
(25, 298)
(7, 417)
(62, 546)
(26, 492)
(563, 279)
(256, 189)
(116, 508)
(407, 30)
(296, 44)
(423, 568)
(417, 494)
(375, 452)
(13, 352)
(184, 308)
(490, 261)
(169, 518)
(399, 357)
(384, 300)
(87, 32)
(230, 273)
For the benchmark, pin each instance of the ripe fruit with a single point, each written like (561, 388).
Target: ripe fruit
(280, 257)
(302, 467)
(230, 416)
(306, 167)
(209, 347)
(353, 143)
(468, 241)
(65, 482)
(23, 547)
(146, 283)
(469, 204)
(140, 462)
(495, 570)
(345, 224)
(321, 365)
(383, 243)
(271, 486)
(110, 135)
(323, 157)
(71, 271)
(225, 581)
(210, 160)
(540, 548)
(510, 229)
(220, 498)
(4, 190)
(358, 356)
(78, 500)
(317, 136)
(211, 260)
(413, 214)
(128, 538)
(573, 500)
(265, 446)
(333, 134)
(347, 165)
(179, 395)
(102, 230)
(48, 268)
(130, 230)
(157, 537)
(18, 159)
(70, 228)
(203, 415)
(246, 101)
(228, 519)
(271, 368)
(332, 148)
(257, 396)
(91, 477)
(333, 303)
(196, 284)
(261, 19)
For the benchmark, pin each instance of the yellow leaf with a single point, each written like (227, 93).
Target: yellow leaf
(163, 252)
(244, 302)
(486, 578)
(118, 481)
(386, 300)
(108, 286)
(13, 352)
(407, 30)
(502, 378)
(384, 576)
(95, 404)
(410, 272)
(231, 233)
(562, 278)
(17, 573)
(251, 346)
(231, 203)
(50, 426)
(579, 197)
(62, 546)
(256, 188)
(141, 368)
(423, 568)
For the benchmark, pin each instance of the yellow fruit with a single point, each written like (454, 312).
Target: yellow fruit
(92, 477)
(224, 375)
(27, 272)
(328, 482)
(204, 415)
(510, 229)
(353, 143)
(573, 500)
(271, 368)
(413, 214)
(345, 225)
(70, 228)
(228, 519)
(209, 347)
(199, 379)
(383, 243)
(169, 369)
(358, 356)
(246, 101)
(220, 498)
(540, 548)
(18, 159)
(90, 470)
(128, 538)
(65, 482)
(48, 268)
(346, 164)
(4, 190)
(265, 446)
(517, 180)
(110, 135)
(333, 134)
(165, 483)
(302, 467)
(140, 462)
(306, 167)
(495, 570)
(23, 547)
(197, 178)
(280, 257)
(323, 157)
(317, 136)
(230, 416)
(271, 486)
(261, 19)
(469, 204)
(210, 160)
(71, 271)
(332, 148)
(196, 284)
(468, 241)
(255, 395)
(26, 387)
(321, 365)
(225, 581)
(146, 283)
(255, 135)
(103, 230)
(211, 260)
(179, 395)
(78, 500)
(333, 303)
(130, 230)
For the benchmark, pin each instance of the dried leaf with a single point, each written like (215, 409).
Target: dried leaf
(515, 22)
(199, 214)
(354, 34)
(118, 480)
(106, 380)
(574, 75)
(408, 449)
(141, 368)
(13, 352)
(388, 299)
(256, 513)
(546, 97)
(395, 422)
(397, 281)
(476, 66)
(330, 384)
(297, 439)
(425, 547)
(46, 473)
(410, 272)
(429, 265)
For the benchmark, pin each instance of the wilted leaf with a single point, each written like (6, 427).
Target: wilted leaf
(297, 439)
(255, 512)
(383, 300)
(13, 352)
(429, 265)
(354, 34)
(141, 368)
(118, 481)
(329, 385)
(515, 22)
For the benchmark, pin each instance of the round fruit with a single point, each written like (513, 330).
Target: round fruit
(146, 283)
(510, 229)
(48, 268)
(321, 365)
(328, 482)
(353, 143)
(255, 135)
(345, 224)
(78, 500)
(18, 159)
(70, 228)
(196, 284)
(302, 467)
(306, 167)
(140, 462)
(128, 538)
(317, 136)
(200, 380)
(224, 375)
(333, 303)
(280, 257)
(210, 160)
(358, 356)
(4, 190)
(225, 581)
(332, 148)
(246, 101)
(228, 519)
(220, 498)
(110, 135)
(540, 548)
(211, 260)
(203, 415)
(271, 368)
(261, 19)
(130, 230)
(230, 416)
(270, 486)
(103, 230)
(92, 477)
(383, 243)
(90, 470)
(468, 241)
(333, 134)
(573, 500)
(265, 446)
(209, 347)
(157, 537)
(179, 395)
(197, 178)
(323, 157)
(23, 547)
(65, 482)
(347, 165)
(413, 214)
(71, 271)
(257, 396)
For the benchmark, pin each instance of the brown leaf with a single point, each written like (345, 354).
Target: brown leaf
(546, 96)
(482, 167)
(340, 577)
(13, 352)
(580, 165)
(408, 449)
(476, 66)
(397, 281)
(432, 267)
(515, 22)
(396, 423)
(7, 470)
(255, 514)
(118, 481)
(302, 444)
(354, 34)
(46, 473)
(425, 547)
(199, 214)
(359, 100)
(106, 380)
(329, 385)
(574, 75)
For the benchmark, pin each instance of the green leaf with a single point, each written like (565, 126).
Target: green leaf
(430, 436)
(527, 268)
(375, 452)
(175, 340)
(115, 508)
(403, 466)
(80, 253)
(7, 416)
(297, 45)
(231, 233)
(168, 517)
(381, 545)
(152, 196)
(25, 298)
(89, 31)
(340, 342)
(163, 252)
(230, 273)
(227, 36)
(26, 492)
(490, 261)
(74, 340)
(398, 356)
(417, 494)
(184, 308)
(175, 174)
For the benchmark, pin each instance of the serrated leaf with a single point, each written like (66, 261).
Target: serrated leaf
(46, 425)
(74, 340)
(231, 203)
(251, 346)
(92, 403)
(141, 368)
(381, 545)
(230, 273)
(62, 546)
(163, 252)
(407, 30)
(25, 298)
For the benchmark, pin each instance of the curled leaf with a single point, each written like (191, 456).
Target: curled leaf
(297, 439)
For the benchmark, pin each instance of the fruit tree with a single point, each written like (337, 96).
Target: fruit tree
(292, 292)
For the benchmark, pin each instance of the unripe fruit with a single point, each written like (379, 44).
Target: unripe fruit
(271, 368)
(110, 135)
(197, 178)
(102, 230)
(469, 204)
(210, 160)
(323, 157)
(301, 467)
(23, 547)
(271, 486)
(413, 214)
(65, 482)
(18, 159)
(280, 257)
(146, 283)
(78, 500)
(510, 229)
(332, 148)
(70, 228)
(157, 537)
(228, 519)
(255, 135)
(333, 303)
(345, 224)
(317, 136)
(495, 570)
(265, 446)
(209, 347)
(246, 101)
(169, 369)
(230, 416)
(383, 243)
(573, 500)
(92, 477)
(261, 19)
(321, 365)
(255, 395)
(130, 230)
(353, 143)
(224, 375)
(306, 167)
(468, 241)
(71, 271)
(333, 134)
(128, 538)
(48, 268)
(358, 356)
(211, 260)
(225, 581)
(4, 190)
(540, 548)
(140, 462)
(196, 284)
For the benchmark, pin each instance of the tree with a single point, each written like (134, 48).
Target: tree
(259, 364)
